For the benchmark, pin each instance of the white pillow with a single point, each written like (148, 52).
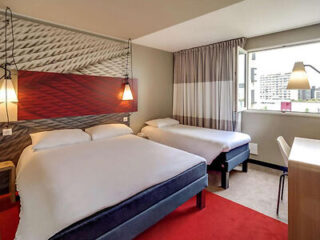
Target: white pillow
(50, 139)
(108, 131)
(162, 122)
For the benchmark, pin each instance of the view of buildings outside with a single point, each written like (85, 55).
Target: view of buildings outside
(269, 73)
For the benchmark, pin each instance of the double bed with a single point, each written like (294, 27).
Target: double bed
(223, 150)
(110, 188)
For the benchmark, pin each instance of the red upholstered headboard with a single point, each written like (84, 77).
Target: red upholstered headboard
(52, 95)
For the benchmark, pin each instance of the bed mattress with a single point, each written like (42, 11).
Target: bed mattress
(71, 183)
(107, 219)
(207, 143)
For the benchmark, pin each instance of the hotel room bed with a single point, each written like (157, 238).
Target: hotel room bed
(111, 188)
(142, 206)
(223, 150)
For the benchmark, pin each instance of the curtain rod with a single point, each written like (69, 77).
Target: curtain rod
(36, 20)
(210, 44)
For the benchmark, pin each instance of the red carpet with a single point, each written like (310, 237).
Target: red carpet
(8, 218)
(221, 219)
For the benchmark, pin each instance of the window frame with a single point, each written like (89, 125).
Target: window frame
(246, 53)
(288, 113)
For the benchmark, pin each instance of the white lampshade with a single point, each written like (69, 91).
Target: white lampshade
(11, 93)
(127, 94)
(298, 78)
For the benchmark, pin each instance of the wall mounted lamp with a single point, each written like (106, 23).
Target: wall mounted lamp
(7, 91)
(299, 77)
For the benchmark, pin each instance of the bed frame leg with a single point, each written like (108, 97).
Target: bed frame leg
(225, 179)
(245, 166)
(201, 199)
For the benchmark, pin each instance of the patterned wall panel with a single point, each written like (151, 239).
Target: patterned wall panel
(40, 47)
(52, 95)
(21, 129)
(45, 48)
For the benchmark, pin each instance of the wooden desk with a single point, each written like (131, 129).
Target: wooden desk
(304, 189)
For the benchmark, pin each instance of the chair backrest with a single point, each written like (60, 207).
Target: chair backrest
(284, 149)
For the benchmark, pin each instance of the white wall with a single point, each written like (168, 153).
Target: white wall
(154, 70)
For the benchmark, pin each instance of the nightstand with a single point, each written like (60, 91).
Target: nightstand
(9, 166)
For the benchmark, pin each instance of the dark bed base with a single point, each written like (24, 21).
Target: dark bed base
(139, 222)
(227, 161)
(146, 219)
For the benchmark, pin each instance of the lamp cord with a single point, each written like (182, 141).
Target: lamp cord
(131, 58)
(127, 66)
(7, 74)
(13, 45)
(6, 65)
(129, 52)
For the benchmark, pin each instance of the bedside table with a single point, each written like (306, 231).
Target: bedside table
(9, 166)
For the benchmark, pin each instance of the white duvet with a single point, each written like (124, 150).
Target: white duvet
(205, 142)
(63, 185)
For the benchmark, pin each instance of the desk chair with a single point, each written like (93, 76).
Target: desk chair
(285, 151)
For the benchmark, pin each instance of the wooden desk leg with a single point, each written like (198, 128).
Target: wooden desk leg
(12, 185)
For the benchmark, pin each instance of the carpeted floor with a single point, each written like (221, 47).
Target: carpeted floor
(221, 219)
(8, 217)
(257, 189)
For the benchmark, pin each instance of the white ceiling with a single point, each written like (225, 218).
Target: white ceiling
(244, 19)
(117, 18)
(173, 25)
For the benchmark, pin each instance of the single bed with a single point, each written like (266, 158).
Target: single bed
(112, 188)
(223, 150)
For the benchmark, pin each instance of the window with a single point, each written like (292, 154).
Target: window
(269, 73)
(241, 79)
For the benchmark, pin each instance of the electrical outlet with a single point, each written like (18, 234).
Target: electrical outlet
(7, 131)
(125, 119)
(253, 148)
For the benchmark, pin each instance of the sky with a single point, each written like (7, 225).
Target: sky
(281, 60)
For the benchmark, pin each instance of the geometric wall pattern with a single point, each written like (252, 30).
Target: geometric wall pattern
(52, 95)
(11, 146)
(45, 48)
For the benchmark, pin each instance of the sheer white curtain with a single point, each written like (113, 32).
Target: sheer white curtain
(204, 86)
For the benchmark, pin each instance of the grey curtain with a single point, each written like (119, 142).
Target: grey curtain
(205, 86)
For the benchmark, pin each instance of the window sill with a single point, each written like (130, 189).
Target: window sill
(296, 114)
